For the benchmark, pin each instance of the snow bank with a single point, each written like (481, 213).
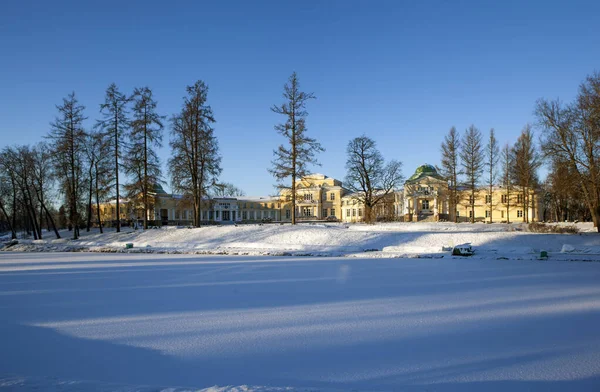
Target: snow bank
(380, 240)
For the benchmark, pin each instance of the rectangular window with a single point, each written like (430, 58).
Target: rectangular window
(519, 199)
(360, 212)
(470, 214)
(244, 215)
(176, 214)
(348, 212)
(332, 196)
(308, 197)
(519, 213)
(457, 213)
(504, 199)
(487, 213)
(332, 212)
(324, 212)
(488, 199)
(217, 214)
(287, 214)
(354, 212)
(425, 204)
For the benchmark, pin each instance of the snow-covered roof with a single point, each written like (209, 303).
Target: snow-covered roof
(316, 176)
(259, 198)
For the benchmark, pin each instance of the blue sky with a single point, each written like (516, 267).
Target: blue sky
(401, 72)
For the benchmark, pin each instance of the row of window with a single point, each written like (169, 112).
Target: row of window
(487, 214)
(309, 196)
(353, 211)
(504, 199)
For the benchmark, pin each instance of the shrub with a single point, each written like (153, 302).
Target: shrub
(539, 227)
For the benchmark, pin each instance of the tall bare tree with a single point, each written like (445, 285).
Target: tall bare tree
(451, 169)
(299, 151)
(564, 197)
(492, 155)
(19, 158)
(99, 173)
(8, 190)
(195, 163)
(507, 164)
(471, 156)
(7, 194)
(368, 176)
(115, 124)
(143, 164)
(67, 140)
(571, 133)
(42, 181)
(524, 169)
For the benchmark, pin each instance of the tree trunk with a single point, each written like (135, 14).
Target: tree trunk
(145, 186)
(32, 213)
(51, 220)
(90, 195)
(13, 233)
(491, 202)
(117, 175)
(473, 204)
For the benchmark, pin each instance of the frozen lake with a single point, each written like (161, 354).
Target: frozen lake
(93, 321)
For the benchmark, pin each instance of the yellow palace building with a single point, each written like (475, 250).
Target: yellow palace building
(424, 197)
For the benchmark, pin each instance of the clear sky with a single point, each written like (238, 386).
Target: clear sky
(401, 72)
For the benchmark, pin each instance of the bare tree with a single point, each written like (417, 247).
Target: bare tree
(100, 173)
(524, 170)
(450, 168)
(572, 134)
(492, 155)
(8, 191)
(507, 164)
(143, 164)
(471, 156)
(67, 138)
(20, 158)
(115, 123)
(227, 189)
(5, 192)
(42, 180)
(564, 196)
(292, 158)
(368, 177)
(195, 162)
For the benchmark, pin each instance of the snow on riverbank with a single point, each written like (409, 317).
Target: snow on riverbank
(381, 240)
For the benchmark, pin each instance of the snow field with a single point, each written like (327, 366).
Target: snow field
(151, 322)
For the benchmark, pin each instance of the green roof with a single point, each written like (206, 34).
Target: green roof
(158, 189)
(425, 171)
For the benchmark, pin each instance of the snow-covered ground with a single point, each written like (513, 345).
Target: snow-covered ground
(381, 240)
(164, 322)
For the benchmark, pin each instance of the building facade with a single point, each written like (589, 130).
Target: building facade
(424, 197)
